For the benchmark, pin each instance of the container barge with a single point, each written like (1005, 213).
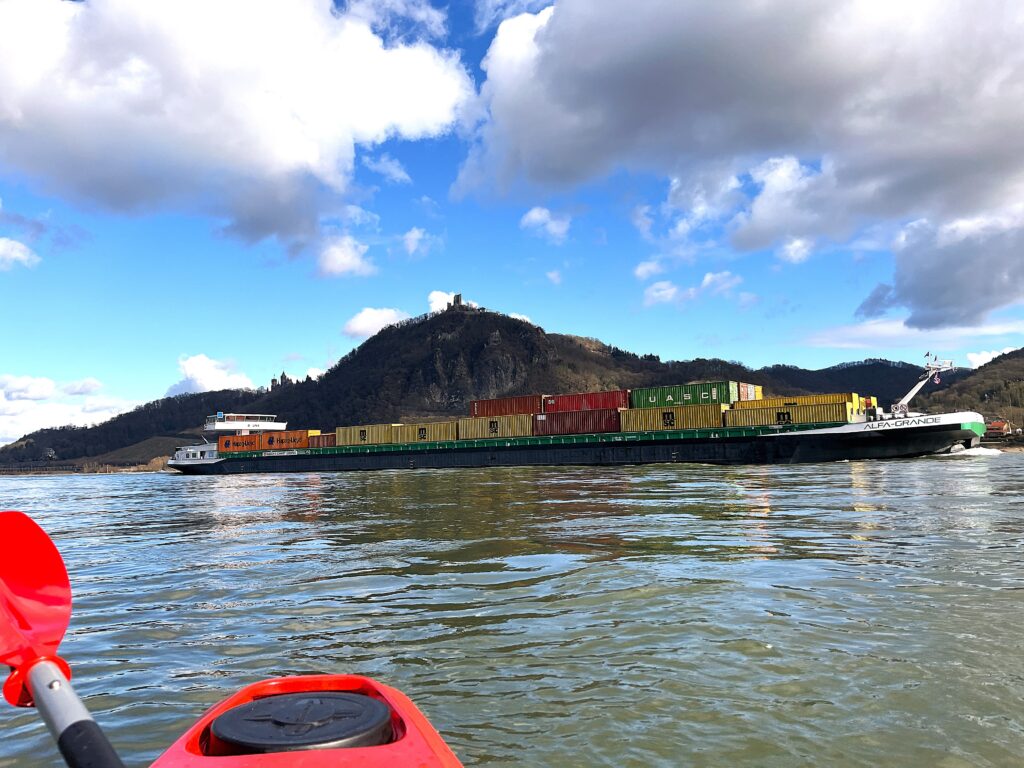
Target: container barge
(704, 422)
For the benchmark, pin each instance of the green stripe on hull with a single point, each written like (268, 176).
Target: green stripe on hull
(974, 426)
(510, 442)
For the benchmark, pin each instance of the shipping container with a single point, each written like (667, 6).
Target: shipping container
(700, 393)
(772, 402)
(366, 434)
(789, 414)
(328, 440)
(576, 422)
(758, 392)
(680, 417)
(286, 440)
(749, 391)
(488, 427)
(586, 401)
(228, 443)
(506, 406)
(430, 432)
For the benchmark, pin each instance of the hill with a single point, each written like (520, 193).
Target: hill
(431, 367)
(996, 390)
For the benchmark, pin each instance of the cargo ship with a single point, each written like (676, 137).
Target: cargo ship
(724, 422)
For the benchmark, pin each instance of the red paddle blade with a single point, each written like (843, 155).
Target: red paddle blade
(35, 594)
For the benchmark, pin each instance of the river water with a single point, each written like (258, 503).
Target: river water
(847, 614)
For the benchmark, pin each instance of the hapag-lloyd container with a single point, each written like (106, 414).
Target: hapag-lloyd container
(506, 406)
(586, 401)
(576, 422)
(366, 434)
(229, 443)
(490, 427)
(286, 440)
(700, 393)
(680, 417)
(429, 432)
(789, 414)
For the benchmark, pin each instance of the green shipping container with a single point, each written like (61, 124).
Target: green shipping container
(702, 393)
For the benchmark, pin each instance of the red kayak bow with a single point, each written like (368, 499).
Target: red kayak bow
(314, 721)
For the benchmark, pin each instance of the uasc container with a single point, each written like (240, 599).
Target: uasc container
(229, 443)
(700, 393)
(680, 417)
(506, 406)
(288, 439)
(485, 427)
(576, 422)
(366, 434)
(428, 432)
(772, 402)
(790, 414)
(586, 401)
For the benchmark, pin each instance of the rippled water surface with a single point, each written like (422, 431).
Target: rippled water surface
(850, 614)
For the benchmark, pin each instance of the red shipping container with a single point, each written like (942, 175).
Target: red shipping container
(328, 440)
(576, 422)
(505, 406)
(586, 401)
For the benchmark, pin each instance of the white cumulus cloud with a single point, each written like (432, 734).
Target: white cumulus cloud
(389, 168)
(438, 301)
(413, 239)
(26, 387)
(85, 386)
(13, 253)
(200, 373)
(345, 256)
(720, 282)
(661, 292)
(370, 320)
(541, 221)
(646, 269)
(978, 359)
(250, 113)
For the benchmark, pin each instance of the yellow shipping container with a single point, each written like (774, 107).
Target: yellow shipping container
(429, 432)
(758, 392)
(367, 434)
(682, 417)
(789, 414)
(485, 427)
(774, 402)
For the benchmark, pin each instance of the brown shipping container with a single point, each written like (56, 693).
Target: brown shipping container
(429, 432)
(492, 427)
(505, 406)
(287, 439)
(785, 414)
(228, 443)
(772, 402)
(680, 417)
(323, 441)
(586, 401)
(576, 422)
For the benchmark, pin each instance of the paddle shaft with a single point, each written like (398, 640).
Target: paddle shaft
(78, 737)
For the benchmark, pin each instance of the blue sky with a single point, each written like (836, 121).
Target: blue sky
(792, 182)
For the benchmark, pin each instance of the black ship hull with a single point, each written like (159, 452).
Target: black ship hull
(792, 448)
